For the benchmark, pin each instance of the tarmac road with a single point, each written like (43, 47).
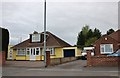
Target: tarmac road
(75, 68)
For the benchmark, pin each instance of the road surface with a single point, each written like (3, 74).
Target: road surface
(75, 68)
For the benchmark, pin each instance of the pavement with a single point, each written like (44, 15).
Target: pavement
(36, 68)
(23, 64)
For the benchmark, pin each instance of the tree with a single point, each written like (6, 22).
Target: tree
(85, 30)
(87, 36)
(97, 33)
(90, 41)
(110, 31)
(80, 40)
(82, 36)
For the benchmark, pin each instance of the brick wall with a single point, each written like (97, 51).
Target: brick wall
(102, 60)
(2, 58)
(55, 61)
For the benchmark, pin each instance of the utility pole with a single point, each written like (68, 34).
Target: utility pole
(45, 33)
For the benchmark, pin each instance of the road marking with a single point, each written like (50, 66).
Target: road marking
(104, 71)
(57, 69)
(70, 70)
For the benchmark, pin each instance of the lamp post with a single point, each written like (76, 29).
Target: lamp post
(45, 33)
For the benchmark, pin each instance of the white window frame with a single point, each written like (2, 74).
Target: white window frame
(21, 51)
(35, 37)
(52, 51)
(103, 45)
(30, 51)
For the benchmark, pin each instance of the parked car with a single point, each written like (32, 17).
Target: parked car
(117, 53)
(84, 53)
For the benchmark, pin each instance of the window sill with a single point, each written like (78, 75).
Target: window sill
(31, 55)
(20, 55)
(52, 55)
(106, 52)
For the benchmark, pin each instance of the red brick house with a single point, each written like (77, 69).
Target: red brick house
(107, 43)
(4, 41)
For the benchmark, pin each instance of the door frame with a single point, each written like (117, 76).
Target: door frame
(32, 54)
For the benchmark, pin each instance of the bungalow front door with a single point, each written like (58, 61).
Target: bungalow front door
(32, 54)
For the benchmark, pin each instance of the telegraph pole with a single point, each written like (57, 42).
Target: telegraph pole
(45, 33)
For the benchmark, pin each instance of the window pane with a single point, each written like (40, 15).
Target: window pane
(37, 52)
(28, 52)
(34, 51)
(108, 48)
(52, 51)
(102, 49)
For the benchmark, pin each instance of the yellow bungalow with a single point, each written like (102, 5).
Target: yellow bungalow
(32, 48)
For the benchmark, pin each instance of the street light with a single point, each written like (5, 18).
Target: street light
(45, 33)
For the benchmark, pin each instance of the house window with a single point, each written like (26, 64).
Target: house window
(52, 52)
(106, 48)
(10, 55)
(28, 51)
(37, 51)
(36, 38)
(21, 52)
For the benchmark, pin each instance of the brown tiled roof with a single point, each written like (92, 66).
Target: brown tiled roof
(22, 44)
(116, 35)
(51, 41)
(55, 41)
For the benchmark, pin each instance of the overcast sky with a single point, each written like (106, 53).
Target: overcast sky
(64, 18)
